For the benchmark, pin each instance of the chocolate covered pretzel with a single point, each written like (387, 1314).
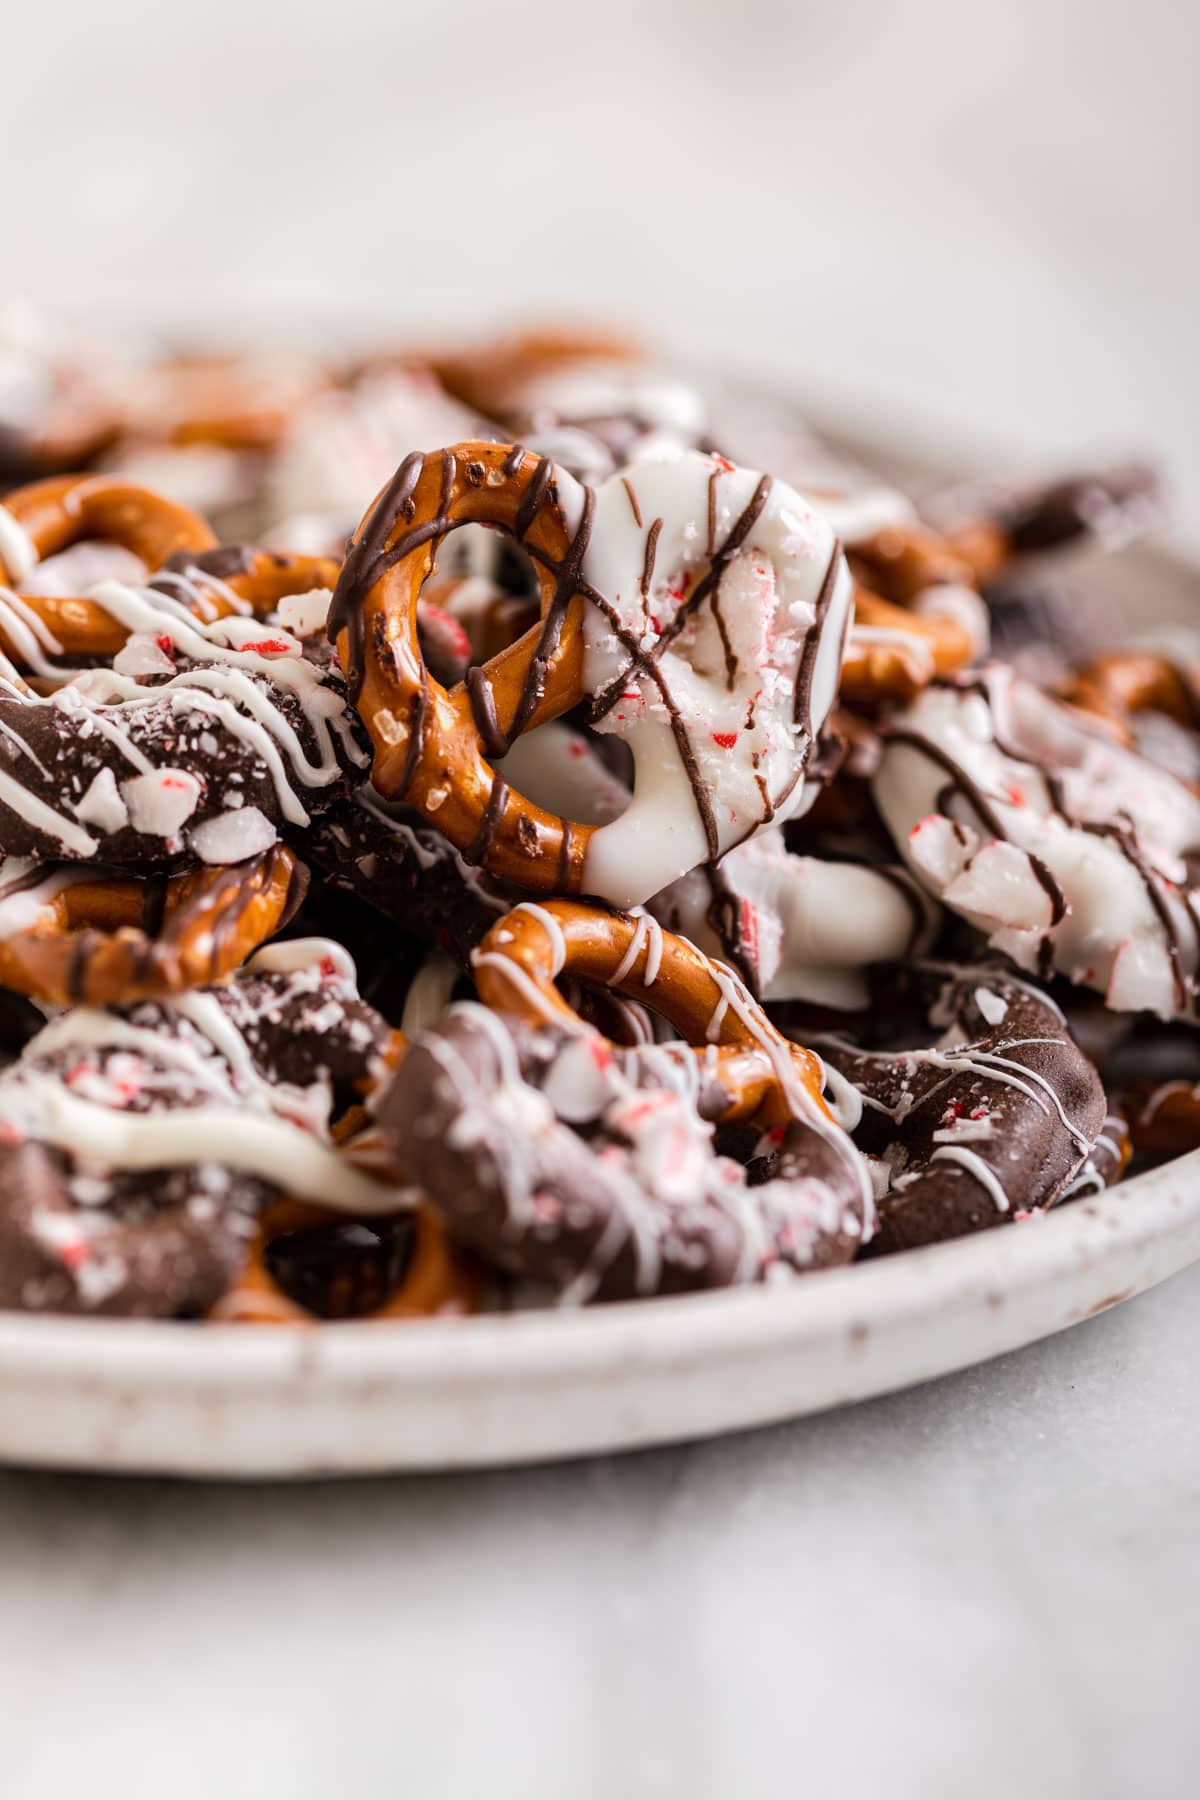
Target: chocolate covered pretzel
(203, 739)
(139, 1144)
(991, 1118)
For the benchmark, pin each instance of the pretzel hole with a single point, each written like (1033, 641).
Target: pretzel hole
(486, 583)
(342, 1271)
(624, 1022)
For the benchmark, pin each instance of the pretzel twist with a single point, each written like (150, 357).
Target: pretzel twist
(67, 509)
(904, 558)
(1122, 683)
(767, 1078)
(234, 402)
(435, 1278)
(894, 652)
(70, 509)
(431, 746)
(492, 376)
(97, 943)
(166, 537)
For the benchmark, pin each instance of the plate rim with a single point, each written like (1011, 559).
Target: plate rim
(1153, 1207)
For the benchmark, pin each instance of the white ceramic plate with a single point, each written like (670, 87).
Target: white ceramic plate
(358, 1399)
(351, 1399)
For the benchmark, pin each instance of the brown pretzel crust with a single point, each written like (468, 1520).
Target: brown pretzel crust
(92, 945)
(270, 576)
(901, 561)
(895, 671)
(437, 1278)
(1124, 682)
(429, 742)
(72, 508)
(684, 986)
(66, 509)
(69, 509)
(491, 377)
(1164, 1117)
(235, 402)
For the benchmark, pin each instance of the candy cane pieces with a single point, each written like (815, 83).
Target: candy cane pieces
(700, 608)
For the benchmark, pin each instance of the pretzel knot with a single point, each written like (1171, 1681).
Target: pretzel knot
(896, 651)
(569, 1161)
(46, 517)
(762, 1077)
(175, 545)
(719, 703)
(429, 743)
(306, 1263)
(101, 942)
(1122, 683)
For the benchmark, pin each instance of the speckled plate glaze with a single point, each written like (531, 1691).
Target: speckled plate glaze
(229, 1401)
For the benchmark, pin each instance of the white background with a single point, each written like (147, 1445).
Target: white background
(974, 219)
(980, 218)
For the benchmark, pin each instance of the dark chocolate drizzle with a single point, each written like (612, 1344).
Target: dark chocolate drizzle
(370, 556)
(363, 567)
(802, 709)
(962, 783)
(222, 562)
(489, 824)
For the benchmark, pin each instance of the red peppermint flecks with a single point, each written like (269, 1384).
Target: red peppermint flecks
(328, 967)
(269, 647)
(600, 1053)
(166, 643)
(725, 739)
(748, 930)
(74, 1254)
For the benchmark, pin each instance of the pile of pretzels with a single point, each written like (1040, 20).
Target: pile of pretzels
(616, 864)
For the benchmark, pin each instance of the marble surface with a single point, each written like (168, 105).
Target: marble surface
(970, 218)
(987, 1586)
